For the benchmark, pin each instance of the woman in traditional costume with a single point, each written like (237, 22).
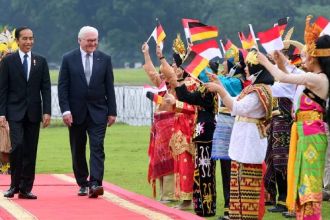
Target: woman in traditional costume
(308, 142)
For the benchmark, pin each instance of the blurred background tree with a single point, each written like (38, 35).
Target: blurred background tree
(125, 24)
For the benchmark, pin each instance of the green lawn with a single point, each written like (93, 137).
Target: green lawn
(122, 76)
(126, 160)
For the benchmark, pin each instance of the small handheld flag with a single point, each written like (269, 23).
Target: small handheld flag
(271, 39)
(185, 25)
(158, 34)
(200, 31)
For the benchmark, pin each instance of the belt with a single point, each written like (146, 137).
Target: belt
(309, 116)
(260, 124)
(246, 119)
(224, 110)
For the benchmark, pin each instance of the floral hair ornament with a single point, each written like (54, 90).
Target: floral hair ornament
(312, 33)
(252, 57)
(7, 42)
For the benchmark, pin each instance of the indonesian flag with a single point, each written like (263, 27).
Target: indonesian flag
(194, 64)
(323, 23)
(200, 31)
(185, 25)
(271, 39)
(161, 88)
(247, 43)
(208, 49)
(159, 35)
(282, 23)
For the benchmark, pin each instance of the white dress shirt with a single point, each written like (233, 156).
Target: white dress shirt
(246, 146)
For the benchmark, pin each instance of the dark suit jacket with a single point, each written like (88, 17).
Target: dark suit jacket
(18, 96)
(97, 98)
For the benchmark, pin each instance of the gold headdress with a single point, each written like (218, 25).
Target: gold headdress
(252, 57)
(178, 46)
(312, 33)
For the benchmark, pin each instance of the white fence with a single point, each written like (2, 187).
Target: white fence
(133, 107)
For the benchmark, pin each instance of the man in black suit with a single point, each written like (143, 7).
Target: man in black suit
(25, 100)
(87, 101)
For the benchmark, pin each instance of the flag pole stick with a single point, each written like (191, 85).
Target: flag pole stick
(152, 32)
(223, 48)
(253, 36)
(149, 38)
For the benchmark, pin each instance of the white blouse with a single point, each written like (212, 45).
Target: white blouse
(246, 146)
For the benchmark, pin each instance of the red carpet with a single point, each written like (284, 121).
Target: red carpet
(57, 199)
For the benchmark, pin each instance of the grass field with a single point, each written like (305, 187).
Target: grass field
(126, 162)
(122, 76)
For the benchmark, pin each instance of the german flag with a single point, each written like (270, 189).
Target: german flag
(158, 34)
(294, 56)
(229, 45)
(200, 31)
(194, 64)
(157, 99)
(247, 43)
(185, 25)
(282, 23)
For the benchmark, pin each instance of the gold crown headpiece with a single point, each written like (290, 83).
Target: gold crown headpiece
(252, 57)
(178, 46)
(312, 33)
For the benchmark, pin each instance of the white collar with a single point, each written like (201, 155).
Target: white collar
(83, 53)
(21, 54)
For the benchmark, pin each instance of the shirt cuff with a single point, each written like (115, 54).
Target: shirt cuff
(66, 113)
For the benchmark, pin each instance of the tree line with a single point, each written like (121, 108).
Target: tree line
(125, 24)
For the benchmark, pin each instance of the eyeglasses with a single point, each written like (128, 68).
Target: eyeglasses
(91, 40)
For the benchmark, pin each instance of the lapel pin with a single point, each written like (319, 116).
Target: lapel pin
(34, 62)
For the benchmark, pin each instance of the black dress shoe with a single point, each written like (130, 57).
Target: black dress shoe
(11, 192)
(95, 191)
(278, 208)
(25, 195)
(83, 191)
(289, 214)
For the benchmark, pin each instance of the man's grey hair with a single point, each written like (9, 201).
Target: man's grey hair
(87, 29)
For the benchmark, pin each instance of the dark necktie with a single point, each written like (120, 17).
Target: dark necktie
(25, 66)
(87, 68)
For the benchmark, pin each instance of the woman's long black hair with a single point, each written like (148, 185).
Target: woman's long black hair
(323, 42)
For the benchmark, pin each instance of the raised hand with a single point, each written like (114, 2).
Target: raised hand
(145, 47)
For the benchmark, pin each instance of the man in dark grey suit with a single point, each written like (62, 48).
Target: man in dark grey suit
(87, 101)
(25, 100)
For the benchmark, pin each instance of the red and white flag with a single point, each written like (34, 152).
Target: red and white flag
(271, 39)
(161, 88)
(185, 25)
(324, 24)
(208, 49)
(282, 23)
